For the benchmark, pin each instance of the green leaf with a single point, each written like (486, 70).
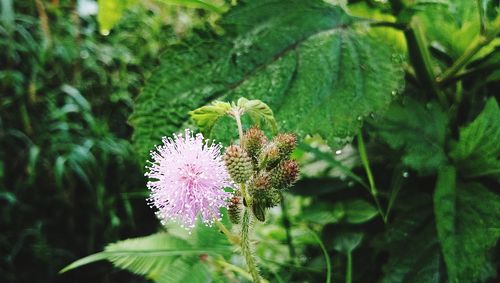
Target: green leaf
(205, 117)
(165, 257)
(392, 36)
(301, 58)
(419, 131)
(468, 225)
(351, 211)
(459, 25)
(477, 151)
(208, 5)
(110, 12)
(445, 211)
(258, 111)
(323, 213)
(346, 242)
(489, 11)
(414, 254)
(359, 211)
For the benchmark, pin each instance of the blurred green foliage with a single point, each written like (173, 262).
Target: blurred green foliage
(69, 179)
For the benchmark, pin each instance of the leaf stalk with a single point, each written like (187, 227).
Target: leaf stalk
(366, 164)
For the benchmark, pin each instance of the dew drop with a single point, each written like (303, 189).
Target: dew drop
(406, 174)
(360, 118)
(337, 152)
(394, 92)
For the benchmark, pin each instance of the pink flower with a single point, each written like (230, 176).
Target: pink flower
(187, 177)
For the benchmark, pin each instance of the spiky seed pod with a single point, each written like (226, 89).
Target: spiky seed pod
(234, 210)
(238, 164)
(267, 199)
(254, 141)
(270, 156)
(286, 144)
(262, 181)
(259, 186)
(285, 174)
(263, 195)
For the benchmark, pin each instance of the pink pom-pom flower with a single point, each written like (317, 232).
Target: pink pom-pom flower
(187, 178)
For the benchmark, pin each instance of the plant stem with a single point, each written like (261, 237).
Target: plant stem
(247, 199)
(371, 181)
(482, 20)
(237, 116)
(230, 236)
(479, 42)
(396, 184)
(348, 272)
(397, 26)
(325, 254)
(44, 23)
(246, 250)
(421, 59)
(486, 35)
(234, 268)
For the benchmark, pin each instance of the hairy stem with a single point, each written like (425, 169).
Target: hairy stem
(371, 180)
(246, 250)
(237, 117)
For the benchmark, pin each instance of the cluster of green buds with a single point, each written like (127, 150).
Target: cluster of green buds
(263, 169)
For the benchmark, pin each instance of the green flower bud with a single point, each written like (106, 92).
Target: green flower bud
(286, 144)
(238, 164)
(263, 194)
(269, 157)
(234, 210)
(261, 182)
(254, 140)
(285, 174)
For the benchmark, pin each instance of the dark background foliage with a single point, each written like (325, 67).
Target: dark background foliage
(69, 179)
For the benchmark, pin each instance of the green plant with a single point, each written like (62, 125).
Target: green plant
(69, 174)
(399, 140)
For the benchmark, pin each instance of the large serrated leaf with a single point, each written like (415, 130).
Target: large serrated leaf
(468, 226)
(302, 58)
(478, 151)
(419, 130)
(414, 255)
